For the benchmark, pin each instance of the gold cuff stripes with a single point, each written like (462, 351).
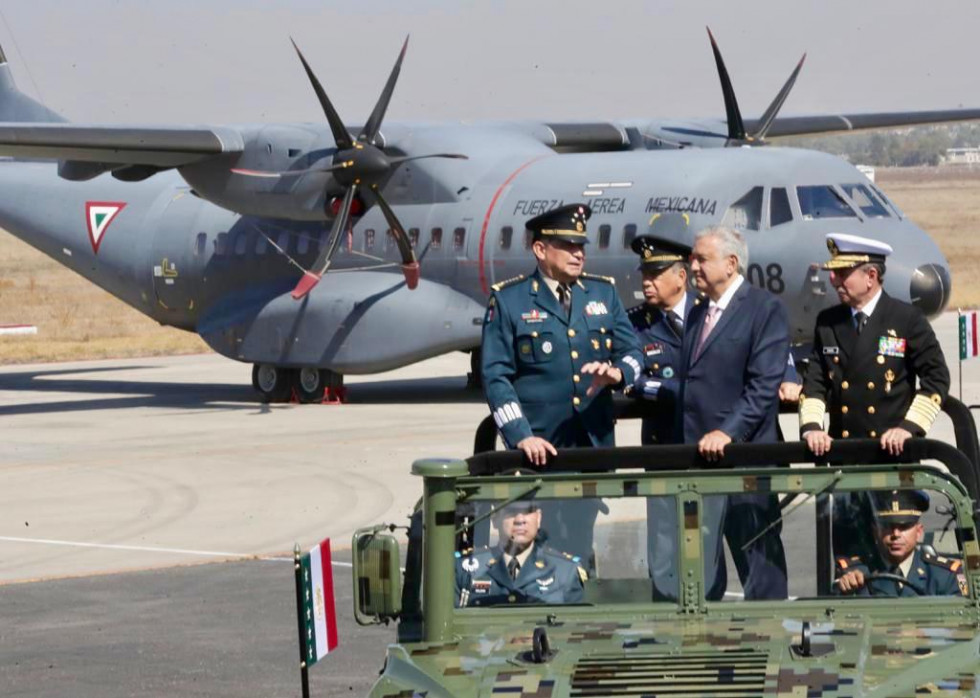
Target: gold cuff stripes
(811, 411)
(924, 410)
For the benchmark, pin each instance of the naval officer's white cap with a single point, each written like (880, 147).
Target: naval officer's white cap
(849, 251)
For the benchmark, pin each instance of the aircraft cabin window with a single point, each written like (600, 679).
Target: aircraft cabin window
(459, 238)
(506, 234)
(865, 200)
(746, 213)
(413, 237)
(261, 244)
(528, 239)
(435, 241)
(221, 244)
(202, 241)
(369, 239)
(605, 233)
(283, 241)
(241, 240)
(779, 210)
(303, 244)
(823, 202)
(629, 232)
(390, 243)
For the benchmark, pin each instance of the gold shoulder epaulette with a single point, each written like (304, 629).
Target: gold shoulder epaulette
(599, 277)
(508, 282)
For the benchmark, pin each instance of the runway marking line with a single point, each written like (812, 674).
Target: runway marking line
(154, 549)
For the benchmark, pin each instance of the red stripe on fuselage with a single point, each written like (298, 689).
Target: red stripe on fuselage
(486, 220)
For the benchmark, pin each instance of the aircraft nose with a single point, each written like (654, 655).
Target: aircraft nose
(930, 288)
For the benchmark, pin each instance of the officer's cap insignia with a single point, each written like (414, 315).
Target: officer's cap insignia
(566, 223)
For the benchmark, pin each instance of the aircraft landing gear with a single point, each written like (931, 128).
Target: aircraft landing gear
(272, 383)
(320, 385)
(305, 385)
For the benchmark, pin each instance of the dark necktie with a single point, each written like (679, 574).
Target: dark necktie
(513, 568)
(565, 298)
(860, 320)
(676, 323)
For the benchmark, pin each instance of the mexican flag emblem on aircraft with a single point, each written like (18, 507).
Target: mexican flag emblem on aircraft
(98, 215)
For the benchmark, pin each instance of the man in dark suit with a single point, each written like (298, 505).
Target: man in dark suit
(734, 358)
(868, 353)
(555, 345)
(897, 531)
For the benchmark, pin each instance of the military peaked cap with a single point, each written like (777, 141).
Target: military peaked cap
(563, 223)
(900, 507)
(849, 251)
(657, 254)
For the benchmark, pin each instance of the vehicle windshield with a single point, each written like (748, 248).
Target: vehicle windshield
(890, 540)
(823, 202)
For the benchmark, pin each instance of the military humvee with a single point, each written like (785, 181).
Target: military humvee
(623, 637)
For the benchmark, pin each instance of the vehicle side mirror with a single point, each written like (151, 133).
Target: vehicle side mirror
(377, 576)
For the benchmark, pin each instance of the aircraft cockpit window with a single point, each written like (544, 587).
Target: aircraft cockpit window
(221, 244)
(865, 200)
(823, 202)
(605, 233)
(506, 235)
(459, 238)
(201, 244)
(413, 237)
(629, 232)
(888, 202)
(746, 213)
(435, 241)
(369, 239)
(283, 241)
(779, 210)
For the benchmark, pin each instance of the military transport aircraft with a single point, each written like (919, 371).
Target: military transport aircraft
(228, 231)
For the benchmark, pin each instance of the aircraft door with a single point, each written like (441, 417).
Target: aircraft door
(180, 247)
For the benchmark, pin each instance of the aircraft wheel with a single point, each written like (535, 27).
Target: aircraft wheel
(271, 382)
(310, 383)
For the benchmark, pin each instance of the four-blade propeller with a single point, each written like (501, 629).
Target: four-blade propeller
(736, 128)
(360, 167)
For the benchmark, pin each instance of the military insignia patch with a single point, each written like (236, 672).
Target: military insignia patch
(891, 346)
(471, 564)
(539, 564)
(595, 344)
(544, 583)
(482, 586)
(654, 349)
(526, 349)
(668, 372)
(534, 316)
(596, 308)
(831, 351)
(546, 347)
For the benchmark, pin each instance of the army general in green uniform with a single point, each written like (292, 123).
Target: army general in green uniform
(519, 569)
(555, 344)
(898, 531)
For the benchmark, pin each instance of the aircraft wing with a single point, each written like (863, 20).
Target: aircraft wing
(163, 147)
(833, 123)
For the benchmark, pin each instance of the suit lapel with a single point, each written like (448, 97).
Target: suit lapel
(692, 330)
(844, 331)
(546, 300)
(727, 315)
(867, 341)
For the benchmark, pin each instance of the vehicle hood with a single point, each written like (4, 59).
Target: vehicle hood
(851, 656)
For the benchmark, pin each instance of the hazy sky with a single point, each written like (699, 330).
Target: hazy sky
(230, 61)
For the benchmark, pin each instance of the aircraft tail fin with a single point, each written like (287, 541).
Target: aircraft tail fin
(15, 106)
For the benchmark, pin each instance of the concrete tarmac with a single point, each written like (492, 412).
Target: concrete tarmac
(118, 478)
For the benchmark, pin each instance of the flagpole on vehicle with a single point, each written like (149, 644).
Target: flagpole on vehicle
(304, 673)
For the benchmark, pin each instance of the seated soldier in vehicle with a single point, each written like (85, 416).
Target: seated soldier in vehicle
(897, 531)
(519, 569)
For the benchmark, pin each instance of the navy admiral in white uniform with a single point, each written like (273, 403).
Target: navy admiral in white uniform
(555, 344)
(519, 569)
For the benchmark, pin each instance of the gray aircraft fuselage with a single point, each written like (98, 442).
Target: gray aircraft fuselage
(192, 264)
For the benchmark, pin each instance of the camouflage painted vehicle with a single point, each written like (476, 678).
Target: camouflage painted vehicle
(623, 639)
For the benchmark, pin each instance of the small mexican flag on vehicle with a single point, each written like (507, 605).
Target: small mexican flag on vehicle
(315, 603)
(968, 335)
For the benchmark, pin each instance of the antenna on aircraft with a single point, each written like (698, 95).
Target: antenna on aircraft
(359, 166)
(736, 127)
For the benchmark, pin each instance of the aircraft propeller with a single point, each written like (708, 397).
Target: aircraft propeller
(736, 128)
(360, 167)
